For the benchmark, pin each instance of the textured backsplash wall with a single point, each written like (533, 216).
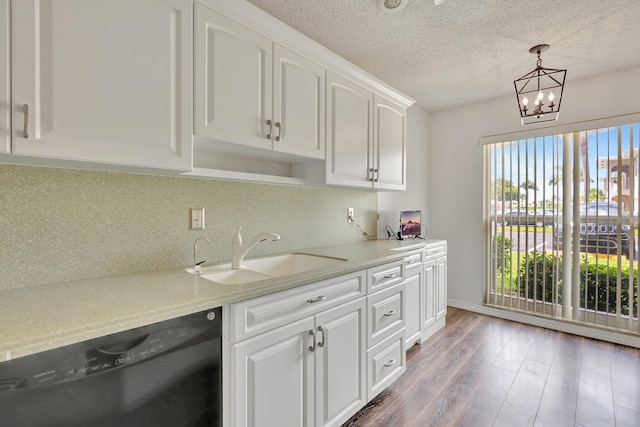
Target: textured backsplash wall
(66, 224)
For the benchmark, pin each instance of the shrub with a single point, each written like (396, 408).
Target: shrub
(501, 251)
(600, 279)
(536, 274)
(603, 279)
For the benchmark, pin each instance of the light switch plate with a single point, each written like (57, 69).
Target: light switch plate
(196, 216)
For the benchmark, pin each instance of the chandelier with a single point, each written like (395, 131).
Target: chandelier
(539, 92)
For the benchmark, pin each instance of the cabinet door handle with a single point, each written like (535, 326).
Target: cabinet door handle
(372, 174)
(317, 299)
(389, 313)
(279, 131)
(390, 363)
(270, 123)
(321, 329)
(312, 332)
(375, 175)
(25, 111)
(391, 276)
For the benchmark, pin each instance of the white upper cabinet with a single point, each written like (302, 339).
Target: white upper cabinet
(365, 137)
(349, 133)
(253, 92)
(5, 110)
(233, 73)
(389, 144)
(103, 81)
(298, 99)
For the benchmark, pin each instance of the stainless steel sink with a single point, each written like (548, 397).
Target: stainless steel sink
(268, 268)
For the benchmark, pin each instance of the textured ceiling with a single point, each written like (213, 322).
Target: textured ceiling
(466, 51)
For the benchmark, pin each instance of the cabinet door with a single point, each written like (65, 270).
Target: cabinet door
(5, 111)
(441, 287)
(341, 388)
(233, 72)
(389, 159)
(428, 300)
(349, 133)
(103, 81)
(413, 291)
(272, 380)
(298, 99)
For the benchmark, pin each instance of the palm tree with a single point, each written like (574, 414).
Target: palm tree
(528, 185)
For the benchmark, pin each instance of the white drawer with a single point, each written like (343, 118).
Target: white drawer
(384, 276)
(385, 363)
(434, 251)
(252, 317)
(411, 263)
(385, 313)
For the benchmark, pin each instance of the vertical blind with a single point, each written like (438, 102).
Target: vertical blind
(561, 218)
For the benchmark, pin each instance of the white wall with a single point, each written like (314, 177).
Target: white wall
(456, 166)
(417, 194)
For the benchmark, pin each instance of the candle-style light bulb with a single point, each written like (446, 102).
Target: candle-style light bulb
(540, 96)
(551, 98)
(525, 102)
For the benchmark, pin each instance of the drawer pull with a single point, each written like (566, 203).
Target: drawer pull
(391, 276)
(389, 313)
(317, 299)
(390, 363)
(312, 332)
(321, 329)
(270, 123)
(411, 261)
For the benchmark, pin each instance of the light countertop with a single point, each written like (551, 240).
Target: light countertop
(40, 318)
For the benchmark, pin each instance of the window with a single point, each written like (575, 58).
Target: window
(561, 218)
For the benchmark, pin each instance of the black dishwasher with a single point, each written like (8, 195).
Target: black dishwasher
(164, 374)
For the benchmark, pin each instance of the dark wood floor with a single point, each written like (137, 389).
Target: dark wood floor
(482, 371)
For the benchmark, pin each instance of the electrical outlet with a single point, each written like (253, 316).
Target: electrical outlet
(197, 218)
(350, 214)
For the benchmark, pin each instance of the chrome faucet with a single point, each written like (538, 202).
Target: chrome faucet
(238, 251)
(196, 264)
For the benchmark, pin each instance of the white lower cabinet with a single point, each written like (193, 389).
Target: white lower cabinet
(428, 317)
(298, 357)
(273, 378)
(386, 361)
(414, 287)
(340, 363)
(434, 298)
(386, 319)
(441, 287)
(311, 372)
(316, 354)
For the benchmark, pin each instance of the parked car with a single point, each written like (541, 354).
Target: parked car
(599, 229)
(517, 217)
(547, 217)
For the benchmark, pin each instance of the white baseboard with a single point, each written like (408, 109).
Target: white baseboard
(544, 322)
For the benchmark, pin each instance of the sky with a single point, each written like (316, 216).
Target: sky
(541, 159)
